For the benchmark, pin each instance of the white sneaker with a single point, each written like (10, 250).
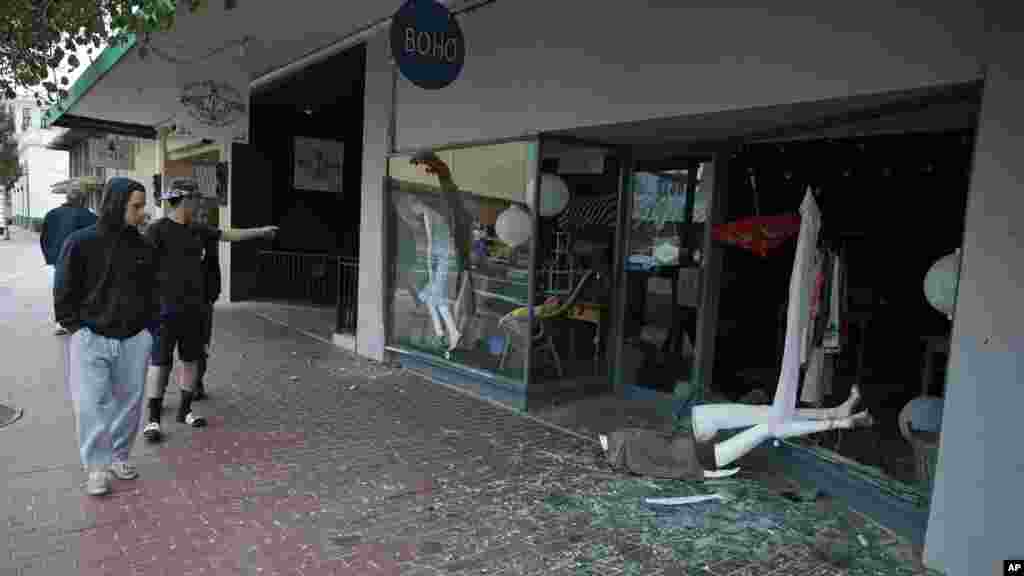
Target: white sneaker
(124, 470)
(152, 432)
(194, 420)
(98, 483)
(59, 330)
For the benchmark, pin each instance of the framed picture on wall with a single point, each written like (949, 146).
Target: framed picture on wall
(317, 165)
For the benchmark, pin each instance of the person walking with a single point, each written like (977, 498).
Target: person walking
(179, 243)
(104, 296)
(58, 224)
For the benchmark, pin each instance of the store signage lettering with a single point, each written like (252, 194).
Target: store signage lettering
(427, 44)
(434, 46)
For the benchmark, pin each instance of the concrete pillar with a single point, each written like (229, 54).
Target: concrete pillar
(373, 250)
(976, 510)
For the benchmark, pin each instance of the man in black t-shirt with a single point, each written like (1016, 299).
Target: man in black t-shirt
(179, 244)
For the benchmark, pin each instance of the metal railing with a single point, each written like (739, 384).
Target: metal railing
(348, 294)
(319, 279)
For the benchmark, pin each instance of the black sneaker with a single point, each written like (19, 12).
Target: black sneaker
(152, 432)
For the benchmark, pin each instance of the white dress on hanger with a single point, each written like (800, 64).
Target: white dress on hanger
(798, 310)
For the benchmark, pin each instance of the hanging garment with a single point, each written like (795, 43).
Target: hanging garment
(832, 341)
(798, 309)
(816, 382)
(812, 294)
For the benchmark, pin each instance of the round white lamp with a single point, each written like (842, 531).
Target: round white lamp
(554, 195)
(941, 283)
(514, 226)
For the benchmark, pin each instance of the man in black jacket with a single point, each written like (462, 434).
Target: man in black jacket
(105, 296)
(58, 224)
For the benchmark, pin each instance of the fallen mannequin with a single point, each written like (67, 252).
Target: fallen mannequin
(695, 454)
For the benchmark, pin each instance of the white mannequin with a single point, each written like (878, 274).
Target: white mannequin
(435, 293)
(710, 418)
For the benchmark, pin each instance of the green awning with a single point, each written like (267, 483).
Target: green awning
(110, 56)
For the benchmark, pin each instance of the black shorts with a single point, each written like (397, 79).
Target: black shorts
(184, 332)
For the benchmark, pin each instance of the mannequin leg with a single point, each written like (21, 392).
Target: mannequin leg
(739, 445)
(710, 418)
(454, 335)
(435, 320)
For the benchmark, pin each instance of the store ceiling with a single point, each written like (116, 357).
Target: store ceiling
(937, 109)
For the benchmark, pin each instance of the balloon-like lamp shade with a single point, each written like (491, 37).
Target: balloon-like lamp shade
(514, 226)
(941, 283)
(554, 195)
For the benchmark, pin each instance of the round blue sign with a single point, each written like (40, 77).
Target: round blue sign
(427, 44)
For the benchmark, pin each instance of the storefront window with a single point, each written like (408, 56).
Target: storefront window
(461, 238)
(663, 275)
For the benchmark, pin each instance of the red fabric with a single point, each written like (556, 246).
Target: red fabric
(759, 234)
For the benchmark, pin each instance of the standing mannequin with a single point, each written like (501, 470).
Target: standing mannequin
(435, 293)
(448, 228)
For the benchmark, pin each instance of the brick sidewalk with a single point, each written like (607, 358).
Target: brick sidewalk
(319, 462)
(315, 462)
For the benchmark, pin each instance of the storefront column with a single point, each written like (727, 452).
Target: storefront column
(707, 322)
(976, 508)
(373, 252)
(224, 221)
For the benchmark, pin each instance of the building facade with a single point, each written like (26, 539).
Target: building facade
(41, 167)
(596, 98)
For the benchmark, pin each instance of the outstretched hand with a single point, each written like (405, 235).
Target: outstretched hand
(269, 232)
(433, 164)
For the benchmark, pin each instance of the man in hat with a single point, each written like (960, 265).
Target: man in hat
(179, 243)
(58, 224)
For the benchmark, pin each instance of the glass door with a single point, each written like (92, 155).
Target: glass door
(662, 279)
(575, 279)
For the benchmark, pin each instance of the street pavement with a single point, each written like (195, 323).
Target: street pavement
(314, 462)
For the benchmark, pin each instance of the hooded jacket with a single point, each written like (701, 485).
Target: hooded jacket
(58, 224)
(106, 273)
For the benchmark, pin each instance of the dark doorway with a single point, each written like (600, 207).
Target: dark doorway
(309, 127)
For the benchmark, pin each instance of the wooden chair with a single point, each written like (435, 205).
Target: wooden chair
(516, 324)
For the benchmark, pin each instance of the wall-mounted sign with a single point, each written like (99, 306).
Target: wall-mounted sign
(111, 153)
(427, 44)
(213, 103)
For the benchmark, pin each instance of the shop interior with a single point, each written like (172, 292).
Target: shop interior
(889, 175)
(892, 206)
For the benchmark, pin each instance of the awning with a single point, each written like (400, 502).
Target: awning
(129, 87)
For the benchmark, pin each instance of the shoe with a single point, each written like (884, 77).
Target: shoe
(194, 420)
(60, 330)
(124, 470)
(152, 432)
(98, 483)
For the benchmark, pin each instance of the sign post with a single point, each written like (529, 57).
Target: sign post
(427, 44)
